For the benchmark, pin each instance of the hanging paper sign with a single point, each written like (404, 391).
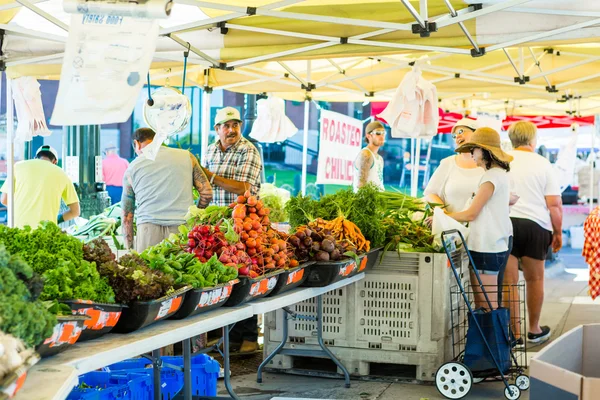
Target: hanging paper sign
(105, 62)
(340, 141)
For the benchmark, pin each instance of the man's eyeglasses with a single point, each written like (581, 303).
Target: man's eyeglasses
(378, 133)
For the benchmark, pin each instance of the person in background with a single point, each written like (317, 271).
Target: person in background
(159, 192)
(458, 176)
(490, 228)
(39, 186)
(368, 166)
(537, 224)
(113, 170)
(233, 166)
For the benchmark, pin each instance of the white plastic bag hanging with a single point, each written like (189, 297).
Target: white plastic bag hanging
(441, 223)
(30, 112)
(272, 125)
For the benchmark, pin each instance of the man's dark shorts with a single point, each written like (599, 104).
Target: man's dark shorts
(530, 239)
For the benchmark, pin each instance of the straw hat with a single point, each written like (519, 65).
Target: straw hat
(489, 139)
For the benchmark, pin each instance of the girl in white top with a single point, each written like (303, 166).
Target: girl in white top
(488, 214)
(457, 177)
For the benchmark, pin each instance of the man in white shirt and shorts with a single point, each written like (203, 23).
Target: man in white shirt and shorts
(536, 220)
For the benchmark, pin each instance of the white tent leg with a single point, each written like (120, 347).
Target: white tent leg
(592, 161)
(305, 145)
(10, 154)
(416, 165)
(205, 125)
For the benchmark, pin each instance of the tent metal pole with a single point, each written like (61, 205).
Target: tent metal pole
(194, 50)
(566, 67)
(578, 80)
(542, 35)
(205, 120)
(292, 73)
(423, 10)
(10, 154)
(203, 24)
(305, 137)
(563, 13)
(406, 46)
(15, 30)
(479, 13)
(415, 13)
(44, 14)
(592, 161)
(282, 79)
(512, 62)
(536, 64)
(536, 61)
(33, 60)
(462, 26)
(304, 49)
(469, 72)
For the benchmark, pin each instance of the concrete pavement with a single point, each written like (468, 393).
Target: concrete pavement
(567, 305)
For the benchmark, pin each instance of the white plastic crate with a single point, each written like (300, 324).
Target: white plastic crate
(399, 314)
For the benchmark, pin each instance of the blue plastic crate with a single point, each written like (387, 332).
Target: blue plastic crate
(171, 380)
(109, 386)
(205, 372)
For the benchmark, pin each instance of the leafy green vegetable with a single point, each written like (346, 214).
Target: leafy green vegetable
(275, 204)
(170, 258)
(20, 314)
(59, 258)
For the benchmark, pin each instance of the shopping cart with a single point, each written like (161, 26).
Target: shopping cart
(484, 346)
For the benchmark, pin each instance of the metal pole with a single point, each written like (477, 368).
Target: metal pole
(156, 365)
(10, 154)
(187, 370)
(205, 126)
(592, 161)
(305, 138)
(416, 167)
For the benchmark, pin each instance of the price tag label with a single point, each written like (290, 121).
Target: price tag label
(164, 309)
(363, 264)
(348, 269)
(295, 277)
(263, 286)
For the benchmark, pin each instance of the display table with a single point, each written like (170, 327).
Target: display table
(54, 377)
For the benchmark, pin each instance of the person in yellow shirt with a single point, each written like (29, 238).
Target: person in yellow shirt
(39, 186)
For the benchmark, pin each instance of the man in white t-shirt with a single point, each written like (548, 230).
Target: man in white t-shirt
(368, 166)
(536, 219)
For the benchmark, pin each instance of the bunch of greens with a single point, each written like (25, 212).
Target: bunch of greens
(58, 257)
(21, 314)
(132, 280)
(275, 204)
(98, 251)
(170, 258)
(408, 232)
(210, 215)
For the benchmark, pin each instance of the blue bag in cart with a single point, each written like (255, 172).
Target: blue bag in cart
(495, 327)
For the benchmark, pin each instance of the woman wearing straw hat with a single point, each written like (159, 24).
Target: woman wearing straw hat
(490, 233)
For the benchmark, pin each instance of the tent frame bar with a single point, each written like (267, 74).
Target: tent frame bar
(462, 26)
(415, 13)
(567, 67)
(196, 51)
(44, 14)
(479, 13)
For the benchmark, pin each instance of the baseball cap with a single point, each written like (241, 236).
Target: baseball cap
(47, 148)
(373, 125)
(468, 122)
(227, 114)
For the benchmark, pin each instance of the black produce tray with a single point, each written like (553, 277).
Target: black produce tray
(66, 332)
(201, 300)
(324, 273)
(367, 261)
(140, 314)
(291, 278)
(103, 317)
(251, 289)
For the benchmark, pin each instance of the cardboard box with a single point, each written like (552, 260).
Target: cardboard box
(568, 368)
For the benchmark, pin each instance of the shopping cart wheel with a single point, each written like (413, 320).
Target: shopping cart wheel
(522, 382)
(512, 392)
(453, 380)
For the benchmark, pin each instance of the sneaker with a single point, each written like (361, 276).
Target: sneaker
(517, 343)
(539, 338)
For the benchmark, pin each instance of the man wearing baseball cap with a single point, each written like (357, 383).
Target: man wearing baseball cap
(233, 166)
(39, 186)
(368, 166)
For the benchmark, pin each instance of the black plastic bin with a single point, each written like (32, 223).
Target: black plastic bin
(324, 273)
(103, 317)
(291, 278)
(140, 314)
(202, 300)
(66, 333)
(251, 289)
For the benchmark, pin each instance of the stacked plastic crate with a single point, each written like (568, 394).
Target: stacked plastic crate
(399, 314)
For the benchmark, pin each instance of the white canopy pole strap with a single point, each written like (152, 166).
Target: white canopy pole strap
(205, 118)
(10, 154)
(305, 137)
